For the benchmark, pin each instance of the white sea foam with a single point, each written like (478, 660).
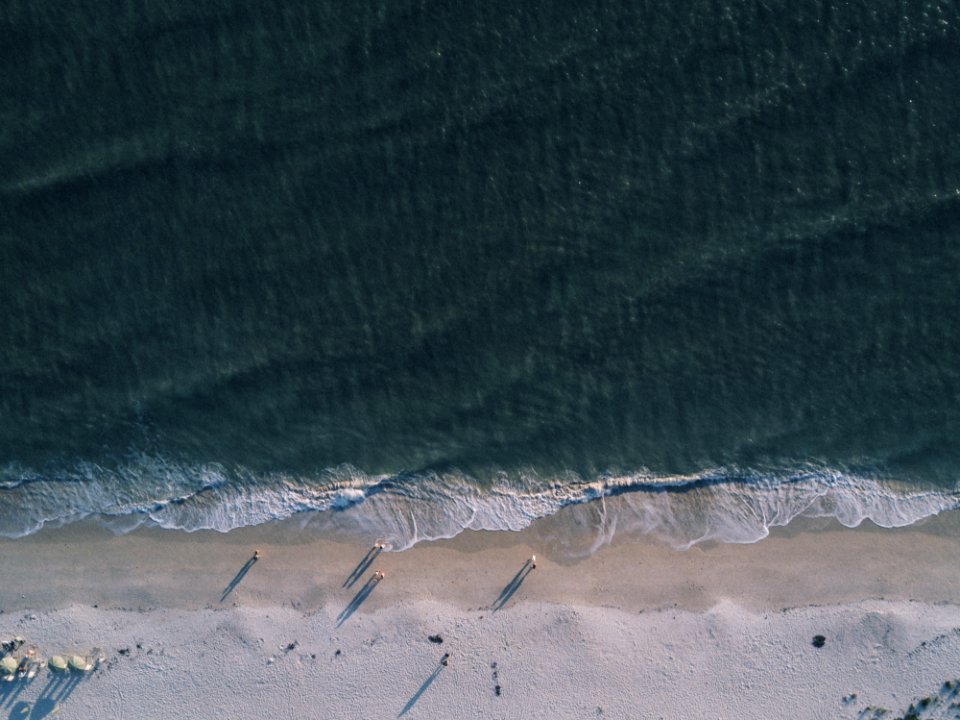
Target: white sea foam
(724, 505)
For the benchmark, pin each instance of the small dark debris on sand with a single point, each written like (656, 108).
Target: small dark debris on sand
(139, 646)
(819, 641)
(313, 656)
(496, 690)
(124, 651)
(435, 639)
(291, 646)
(337, 653)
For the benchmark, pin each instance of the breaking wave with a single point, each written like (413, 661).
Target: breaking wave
(722, 505)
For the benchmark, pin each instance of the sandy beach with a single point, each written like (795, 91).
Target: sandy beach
(663, 294)
(635, 630)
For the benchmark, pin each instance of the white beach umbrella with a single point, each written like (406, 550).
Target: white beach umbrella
(57, 664)
(78, 663)
(8, 665)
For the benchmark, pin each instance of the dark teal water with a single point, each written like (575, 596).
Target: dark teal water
(403, 240)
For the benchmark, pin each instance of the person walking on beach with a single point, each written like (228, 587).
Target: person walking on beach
(256, 555)
(533, 562)
(379, 575)
(445, 659)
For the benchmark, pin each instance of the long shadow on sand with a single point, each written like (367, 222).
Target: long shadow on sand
(238, 577)
(423, 688)
(362, 566)
(8, 692)
(512, 586)
(12, 690)
(357, 601)
(19, 711)
(57, 689)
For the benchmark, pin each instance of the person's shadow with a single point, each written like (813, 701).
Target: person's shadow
(358, 599)
(423, 688)
(238, 577)
(512, 586)
(362, 566)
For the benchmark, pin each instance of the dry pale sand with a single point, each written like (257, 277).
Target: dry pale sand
(635, 631)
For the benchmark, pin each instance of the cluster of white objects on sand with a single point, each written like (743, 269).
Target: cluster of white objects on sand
(17, 665)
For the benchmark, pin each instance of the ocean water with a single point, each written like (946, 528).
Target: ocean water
(405, 268)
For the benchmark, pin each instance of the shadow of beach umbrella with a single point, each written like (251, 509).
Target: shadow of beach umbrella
(57, 664)
(8, 667)
(79, 664)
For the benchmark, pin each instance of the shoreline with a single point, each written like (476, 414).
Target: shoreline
(635, 630)
(807, 562)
